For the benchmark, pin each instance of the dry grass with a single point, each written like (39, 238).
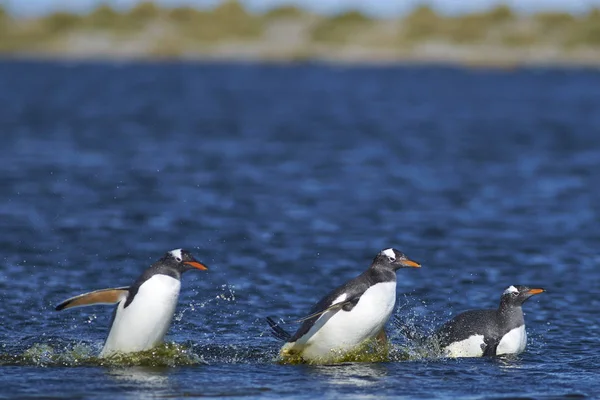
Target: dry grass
(183, 31)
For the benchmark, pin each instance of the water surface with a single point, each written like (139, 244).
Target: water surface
(286, 181)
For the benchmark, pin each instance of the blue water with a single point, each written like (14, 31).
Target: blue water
(286, 181)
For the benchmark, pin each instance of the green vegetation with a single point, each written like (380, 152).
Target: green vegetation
(340, 28)
(229, 21)
(3, 15)
(424, 24)
(150, 30)
(586, 31)
(500, 14)
(60, 22)
(3, 20)
(104, 18)
(421, 24)
(285, 12)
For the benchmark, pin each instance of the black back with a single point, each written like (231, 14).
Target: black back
(492, 324)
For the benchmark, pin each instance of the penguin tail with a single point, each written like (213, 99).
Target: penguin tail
(278, 332)
(104, 296)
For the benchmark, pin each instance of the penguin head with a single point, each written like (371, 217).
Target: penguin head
(516, 295)
(394, 259)
(181, 261)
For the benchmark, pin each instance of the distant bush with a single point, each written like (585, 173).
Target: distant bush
(184, 15)
(284, 12)
(3, 18)
(144, 12)
(105, 17)
(183, 29)
(425, 24)
(469, 28)
(351, 17)
(229, 20)
(499, 14)
(340, 28)
(587, 30)
(421, 24)
(569, 30)
(60, 22)
(587, 35)
(593, 15)
(551, 22)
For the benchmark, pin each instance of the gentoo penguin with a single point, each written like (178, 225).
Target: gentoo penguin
(478, 333)
(145, 309)
(348, 316)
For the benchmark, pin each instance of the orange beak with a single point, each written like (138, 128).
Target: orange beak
(411, 263)
(196, 264)
(536, 291)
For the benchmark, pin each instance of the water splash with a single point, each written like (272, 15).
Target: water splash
(412, 332)
(408, 334)
(227, 293)
(235, 353)
(165, 355)
(91, 319)
(370, 351)
(80, 354)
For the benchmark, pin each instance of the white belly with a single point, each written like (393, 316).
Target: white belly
(145, 321)
(340, 331)
(470, 347)
(514, 342)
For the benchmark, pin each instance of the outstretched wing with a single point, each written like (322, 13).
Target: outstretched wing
(104, 296)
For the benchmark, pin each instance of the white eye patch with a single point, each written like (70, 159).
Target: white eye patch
(390, 253)
(176, 254)
(511, 289)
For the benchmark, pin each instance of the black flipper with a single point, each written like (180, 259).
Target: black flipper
(344, 305)
(278, 332)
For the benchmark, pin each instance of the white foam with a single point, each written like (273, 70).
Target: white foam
(390, 253)
(177, 254)
(511, 289)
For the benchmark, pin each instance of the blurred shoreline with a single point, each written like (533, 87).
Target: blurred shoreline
(228, 33)
(342, 60)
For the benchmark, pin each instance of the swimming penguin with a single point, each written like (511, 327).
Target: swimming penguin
(145, 309)
(478, 333)
(348, 316)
